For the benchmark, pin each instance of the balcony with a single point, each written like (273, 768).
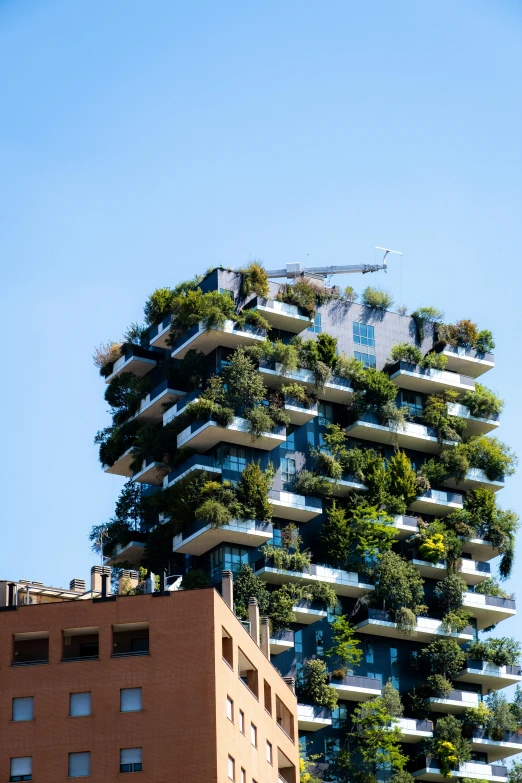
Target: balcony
(298, 508)
(468, 769)
(476, 478)
(31, 648)
(468, 360)
(488, 609)
(130, 553)
(378, 622)
(139, 361)
(438, 502)
(405, 526)
(474, 425)
(151, 407)
(158, 334)
(200, 537)
(151, 472)
(230, 335)
(355, 688)
(180, 406)
(343, 582)
(411, 436)
(313, 718)
(344, 486)
(281, 642)
(199, 463)
(509, 745)
(471, 571)
(298, 412)
(336, 390)
(122, 466)
(410, 376)
(456, 702)
(308, 612)
(489, 675)
(202, 435)
(414, 730)
(280, 315)
(479, 549)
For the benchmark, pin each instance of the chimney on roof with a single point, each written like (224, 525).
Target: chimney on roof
(78, 585)
(227, 589)
(290, 681)
(96, 578)
(253, 616)
(265, 636)
(127, 580)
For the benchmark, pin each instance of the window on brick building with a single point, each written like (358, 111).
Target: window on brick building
(79, 704)
(23, 708)
(130, 760)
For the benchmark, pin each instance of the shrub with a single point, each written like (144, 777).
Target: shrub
(104, 357)
(252, 491)
(445, 657)
(448, 744)
(494, 457)
(433, 548)
(491, 587)
(463, 333)
(313, 685)
(350, 294)
(246, 586)
(244, 385)
(297, 392)
(439, 686)
(350, 368)
(194, 306)
(423, 316)
(214, 512)
(376, 298)
(302, 294)
(405, 352)
(254, 279)
(477, 716)
(436, 415)
(482, 402)
(159, 304)
(308, 483)
(449, 593)
(254, 318)
(455, 621)
(398, 585)
(434, 361)
(345, 648)
(327, 349)
(501, 718)
(285, 354)
(288, 556)
(402, 481)
(484, 342)
(503, 651)
(196, 579)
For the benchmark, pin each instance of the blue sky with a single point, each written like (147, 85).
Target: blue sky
(141, 143)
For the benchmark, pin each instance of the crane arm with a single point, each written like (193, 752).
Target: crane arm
(294, 270)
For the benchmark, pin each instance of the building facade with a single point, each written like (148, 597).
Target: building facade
(222, 450)
(169, 685)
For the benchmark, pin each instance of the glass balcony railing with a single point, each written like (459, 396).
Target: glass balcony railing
(303, 375)
(205, 460)
(295, 501)
(443, 376)
(470, 353)
(443, 497)
(240, 525)
(155, 330)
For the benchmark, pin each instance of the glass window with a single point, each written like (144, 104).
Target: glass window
(268, 752)
(413, 401)
(235, 459)
(376, 676)
(242, 777)
(340, 717)
(368, 359)
(287, 470)
(79, 765)
(289, 444)
(227, 291)
(319, 643)
(230, 709)
(79, 704)
(394, 656)
(227, 558)
(130, 760)
(298, 642)
(414, 659)
(22, 768)
(395, 681)
(253, 735)
(363, 334)
(316, 326)
(130, 700)
(325, 413)
(369, 652)
(231, 768)
(23, 708)
(241, 721)
(331, 748)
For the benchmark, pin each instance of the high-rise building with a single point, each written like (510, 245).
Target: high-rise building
(341, 460)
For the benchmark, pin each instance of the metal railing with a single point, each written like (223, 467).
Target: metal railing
(358, 681)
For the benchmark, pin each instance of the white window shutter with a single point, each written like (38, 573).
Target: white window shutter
(130, 699)
(79, 704)
(130, 756)
(79, 765)
(23, 709)
(22, 766)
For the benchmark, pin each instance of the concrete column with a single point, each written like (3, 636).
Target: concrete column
(253, 616)
(96, 578)
(265, 636)
(227, 589)
(291, 683)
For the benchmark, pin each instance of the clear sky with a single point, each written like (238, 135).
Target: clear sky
(142, 142)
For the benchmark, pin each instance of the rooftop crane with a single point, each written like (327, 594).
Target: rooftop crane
(296, 270)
